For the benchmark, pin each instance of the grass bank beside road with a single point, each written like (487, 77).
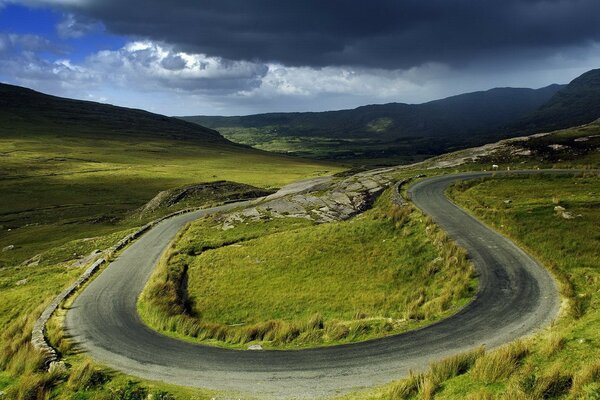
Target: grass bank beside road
(289, 284)
(557, 220)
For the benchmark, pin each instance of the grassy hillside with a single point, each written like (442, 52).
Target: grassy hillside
(67, 195)
(73, 178)
(557, 219)
(24, 111)
(403, 132)
(576, 104)
(72, 170)
(290, 283)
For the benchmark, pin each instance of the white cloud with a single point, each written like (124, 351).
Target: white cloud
(158, 77)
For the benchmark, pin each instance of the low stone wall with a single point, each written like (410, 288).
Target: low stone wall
(38, 338)
(38, 334)
(396, 196)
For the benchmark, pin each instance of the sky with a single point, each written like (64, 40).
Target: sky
(237, 57)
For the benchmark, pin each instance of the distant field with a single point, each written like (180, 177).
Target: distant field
(56, 188)
(354, 151)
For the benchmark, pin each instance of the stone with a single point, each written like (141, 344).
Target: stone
(21, 282)
(559, 208)
(341, 198)
(8, 248)
(567, 215)
(355, 187)
(57, 367)
(557, 146)
(369, 184)
(255, 347)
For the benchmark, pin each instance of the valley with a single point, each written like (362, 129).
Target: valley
(347, 233)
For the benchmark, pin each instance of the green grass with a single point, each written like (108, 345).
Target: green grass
(370, 151)
(562, 360)
(285, 284)
(59, 188)
(70, 189)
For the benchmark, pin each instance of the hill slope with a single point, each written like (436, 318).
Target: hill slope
(388, 130)
(73, 169)
(575, 104)
(22, 107)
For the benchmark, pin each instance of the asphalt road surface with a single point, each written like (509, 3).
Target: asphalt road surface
(517, 296)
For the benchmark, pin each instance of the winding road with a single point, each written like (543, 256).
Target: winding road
(517, 296)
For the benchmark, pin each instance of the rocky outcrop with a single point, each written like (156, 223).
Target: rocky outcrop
(214, 191)
(320, 200)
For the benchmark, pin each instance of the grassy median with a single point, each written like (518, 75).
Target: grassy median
(289, 283)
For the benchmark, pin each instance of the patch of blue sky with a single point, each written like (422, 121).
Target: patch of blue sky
(43, 22)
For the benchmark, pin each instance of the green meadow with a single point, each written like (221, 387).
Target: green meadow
(562, 360)
(59, 188)
(291, 284)
(66, 193)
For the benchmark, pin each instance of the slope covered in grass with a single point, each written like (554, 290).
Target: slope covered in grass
(71, 169)
(560, 362)
(386, 133)
(575, 104)
(281, 283)
(558, 220)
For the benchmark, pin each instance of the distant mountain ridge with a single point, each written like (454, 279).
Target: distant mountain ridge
(477, 113)
(576, 104)
(45, 114)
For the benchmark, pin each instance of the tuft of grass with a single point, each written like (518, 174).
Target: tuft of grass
(454, 366)
(588, 376)
(405, 388)
(552, 344)
(553, 384)
(86, 376)
(480, 395)
(499, 364)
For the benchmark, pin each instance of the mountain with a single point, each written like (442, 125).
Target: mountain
(460, 114)
(25, 110)
(388, 130)
(575, 104)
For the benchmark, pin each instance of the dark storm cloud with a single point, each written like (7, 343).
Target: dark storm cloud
(374, 33)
